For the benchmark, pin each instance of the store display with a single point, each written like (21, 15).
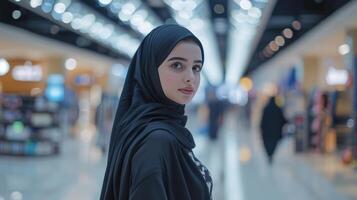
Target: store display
(342, 117)
(29, 126)
(347, 156)
(41, 119)
(330, 141)
(320, 114)
(17, 131)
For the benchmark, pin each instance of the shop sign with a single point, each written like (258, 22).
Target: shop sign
(27, 72)
(83, 80)
(336, 76)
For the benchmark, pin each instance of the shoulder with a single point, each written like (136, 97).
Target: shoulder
(161, 135)
(160, 142)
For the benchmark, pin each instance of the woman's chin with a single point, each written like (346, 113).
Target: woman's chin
(185, 100)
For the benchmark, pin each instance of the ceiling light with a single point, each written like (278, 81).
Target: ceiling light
(128, 8)
(218, 8)
(96, 28)
(16, 14)
(273, 46)
(344, 49)
(138, 18)
(279, 40)
(296, 25)
(47, 6)
(146, 27)
(76, 23)
(88, 21)
(35, 3)
(107, 32)
(288, 33)
(246, 83)
(4, 66)
(123, 17)
(185, 14)
(67, 17)
(70, 64)
(66, 2)
(105, 2)
(59, 8)
(177, 5)
(255, 12)
(245, 4)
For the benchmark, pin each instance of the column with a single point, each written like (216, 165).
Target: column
(351, 61)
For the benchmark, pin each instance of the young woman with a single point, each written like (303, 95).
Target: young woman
(150, 154)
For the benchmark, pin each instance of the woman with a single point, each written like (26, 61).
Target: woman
(271, 126)
(150, 153)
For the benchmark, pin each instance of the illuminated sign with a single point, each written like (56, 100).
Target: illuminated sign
(55, 88)
(336, 76)
(27, 72)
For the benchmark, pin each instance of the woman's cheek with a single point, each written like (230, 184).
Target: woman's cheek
(197, 81)
(171, 80)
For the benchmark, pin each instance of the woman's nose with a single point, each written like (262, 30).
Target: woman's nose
(189, 78)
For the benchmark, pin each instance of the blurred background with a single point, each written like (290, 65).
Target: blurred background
(274, 117)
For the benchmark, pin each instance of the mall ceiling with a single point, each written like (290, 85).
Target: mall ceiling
(299, 16)
(290, 19)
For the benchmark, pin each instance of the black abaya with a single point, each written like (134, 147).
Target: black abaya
(271, 126)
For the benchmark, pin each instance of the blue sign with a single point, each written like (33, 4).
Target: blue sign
(55, 88)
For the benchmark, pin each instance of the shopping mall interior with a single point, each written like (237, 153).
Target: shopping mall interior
(290, 64)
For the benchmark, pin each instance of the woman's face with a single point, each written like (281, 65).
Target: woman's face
(180, 72)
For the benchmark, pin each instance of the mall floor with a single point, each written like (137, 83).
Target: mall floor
(236, 161)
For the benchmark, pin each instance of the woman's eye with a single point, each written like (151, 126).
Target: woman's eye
(176, 66)
(197, 68)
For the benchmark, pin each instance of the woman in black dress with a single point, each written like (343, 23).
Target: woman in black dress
(150, 154)
(271, 126)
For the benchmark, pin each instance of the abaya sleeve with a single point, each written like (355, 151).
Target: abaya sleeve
(149, 166)
(151, 188)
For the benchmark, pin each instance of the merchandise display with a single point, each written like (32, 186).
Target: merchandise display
(29, 126)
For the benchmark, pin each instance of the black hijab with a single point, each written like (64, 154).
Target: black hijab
(143, 102)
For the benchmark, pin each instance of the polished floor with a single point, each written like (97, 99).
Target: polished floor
(236, 161)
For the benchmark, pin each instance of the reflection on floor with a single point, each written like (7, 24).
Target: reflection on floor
(236, 161)
(74, 174)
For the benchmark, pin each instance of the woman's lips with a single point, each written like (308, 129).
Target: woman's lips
(186, 91)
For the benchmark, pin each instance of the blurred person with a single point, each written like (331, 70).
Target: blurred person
(71, 111)
(104, 118)
(215, 114)
(150, 153)
(202, 119)
(271, 126)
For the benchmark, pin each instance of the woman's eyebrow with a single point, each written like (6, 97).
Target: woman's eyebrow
(184, 59)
